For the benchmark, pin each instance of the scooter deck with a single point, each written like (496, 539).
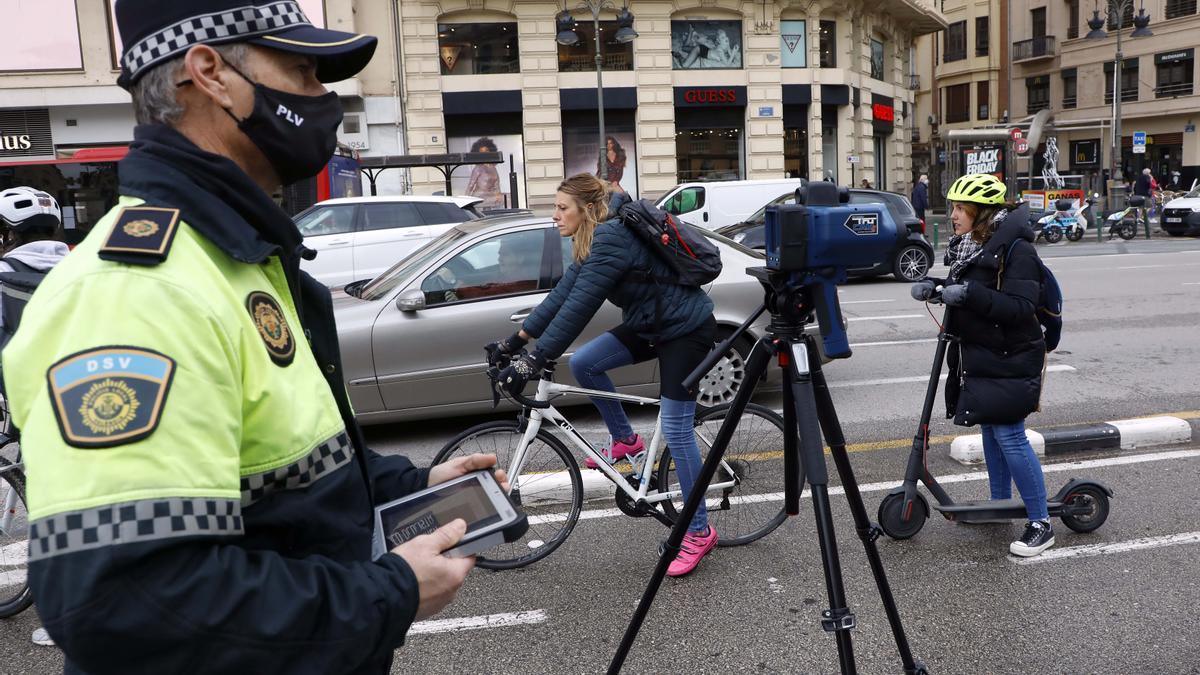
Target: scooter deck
(985, 508)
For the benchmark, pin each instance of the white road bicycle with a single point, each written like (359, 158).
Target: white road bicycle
(744, 500)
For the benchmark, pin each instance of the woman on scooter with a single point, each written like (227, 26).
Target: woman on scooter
(995, 373)
(605, 252)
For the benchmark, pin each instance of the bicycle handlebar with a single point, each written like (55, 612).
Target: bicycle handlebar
(493, 373)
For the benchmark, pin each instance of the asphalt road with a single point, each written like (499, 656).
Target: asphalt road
(1132, 311)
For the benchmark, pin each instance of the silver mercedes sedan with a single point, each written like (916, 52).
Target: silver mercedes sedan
(412, 339)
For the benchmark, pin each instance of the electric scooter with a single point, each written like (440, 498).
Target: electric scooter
(1067, 218)
(1125, 223)
(1081, 504)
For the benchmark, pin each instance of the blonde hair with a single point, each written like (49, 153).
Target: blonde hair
(591, 196)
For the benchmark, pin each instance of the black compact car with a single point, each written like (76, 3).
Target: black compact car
(909, 260)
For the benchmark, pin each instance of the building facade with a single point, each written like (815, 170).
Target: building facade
(709, 90)
(1056, 67)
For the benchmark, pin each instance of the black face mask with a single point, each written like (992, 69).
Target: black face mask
(296, 133)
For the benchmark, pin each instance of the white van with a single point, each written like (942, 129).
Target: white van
(719, 203)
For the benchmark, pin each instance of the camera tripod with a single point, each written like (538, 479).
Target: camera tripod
(807, 412)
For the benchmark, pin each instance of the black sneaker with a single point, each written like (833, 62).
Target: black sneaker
(1038, 537)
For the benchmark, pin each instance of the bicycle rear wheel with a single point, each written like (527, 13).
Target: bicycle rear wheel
(549, 491)
(15, 596)
(753, 507)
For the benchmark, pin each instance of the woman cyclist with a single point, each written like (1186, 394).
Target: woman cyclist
(995, 377)
(605, 253)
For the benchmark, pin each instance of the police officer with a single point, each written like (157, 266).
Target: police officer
(200, 497)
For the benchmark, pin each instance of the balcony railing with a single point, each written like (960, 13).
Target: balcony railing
(1170, 90)
(1034, 49)
(914, 82)
(1036, 106)
(916, 134)
(1127, 95)
(1069, 102)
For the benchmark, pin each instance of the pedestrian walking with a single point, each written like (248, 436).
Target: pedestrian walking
(200, 496)
(997, 362)
(920, 196)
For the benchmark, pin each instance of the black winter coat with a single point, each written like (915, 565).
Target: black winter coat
(996, 367)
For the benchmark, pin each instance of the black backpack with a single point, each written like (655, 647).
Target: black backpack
(16, 288)
(1050, 303)
(693, 258)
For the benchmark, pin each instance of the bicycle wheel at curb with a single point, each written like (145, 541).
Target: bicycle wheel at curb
(549, 492)
(15, 596)
(753, 507)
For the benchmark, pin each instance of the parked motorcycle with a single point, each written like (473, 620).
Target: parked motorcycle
(1067, 219)
(1125, 224)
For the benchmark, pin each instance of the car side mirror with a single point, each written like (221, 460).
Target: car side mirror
(411, 300)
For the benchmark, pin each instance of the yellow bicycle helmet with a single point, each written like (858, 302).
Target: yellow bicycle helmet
(978, 188)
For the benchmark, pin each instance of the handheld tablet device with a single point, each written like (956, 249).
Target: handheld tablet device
(476, 498)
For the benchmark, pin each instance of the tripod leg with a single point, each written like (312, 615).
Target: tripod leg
(867, 531)
(838, 619)
(755, 367)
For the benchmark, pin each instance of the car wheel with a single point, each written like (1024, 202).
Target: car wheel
(911, 263)
(723, 381)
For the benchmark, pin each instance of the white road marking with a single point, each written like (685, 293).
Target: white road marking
(1056, 368)
(892, 342)
(1191, 283)
(478, 622)
(885, 318)
(883, 486)
(1143, 267)
(1089, 550)
(863, 302)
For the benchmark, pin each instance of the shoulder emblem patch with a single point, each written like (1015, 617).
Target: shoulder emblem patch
(109, 395)
(272, 327)
(142, 235)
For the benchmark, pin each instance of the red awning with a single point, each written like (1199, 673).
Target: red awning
(81, 156)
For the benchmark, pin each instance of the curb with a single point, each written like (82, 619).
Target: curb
(595, 485)
(1116, 435)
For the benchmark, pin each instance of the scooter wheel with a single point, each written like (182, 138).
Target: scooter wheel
(1127, 231)
(891, 516)
(1054, 234)
(1074, 234)
(1095, 500)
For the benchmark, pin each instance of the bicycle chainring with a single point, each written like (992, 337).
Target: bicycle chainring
(628, 506)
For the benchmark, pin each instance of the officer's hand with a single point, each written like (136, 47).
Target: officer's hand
(923, 290)
(955, 295)
(438, 577)
(461, 466)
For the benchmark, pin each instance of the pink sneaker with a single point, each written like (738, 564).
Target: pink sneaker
(618, 452)
(693, 548)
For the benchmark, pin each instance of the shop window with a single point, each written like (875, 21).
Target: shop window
(1178, 8)
(828, 44)
(829, 144)
(880, 162)
(509, 264)
(981, 36)
(40, 35)
(1126, 18)
(478, 48)
(958, 103)
(795, 152)
(1129, 81)
(1070, 82)
(685, 201)
(1175, 78)
(581, 56)
(709, 154)
(955, 46)
(697, 45)
(876, 59)
(793, 43)
(982, 100)
(1072, 19)
(1037, 93)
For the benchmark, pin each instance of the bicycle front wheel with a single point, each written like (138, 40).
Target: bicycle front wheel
(15, 596)
(752, 507)
(549, 490)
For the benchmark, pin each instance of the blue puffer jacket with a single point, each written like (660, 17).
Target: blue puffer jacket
(604, 275)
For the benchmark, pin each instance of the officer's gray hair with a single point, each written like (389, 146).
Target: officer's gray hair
(154, 99)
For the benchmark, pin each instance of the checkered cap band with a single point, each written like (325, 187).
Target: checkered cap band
(133, 522)
(243, 22)
(323, 459)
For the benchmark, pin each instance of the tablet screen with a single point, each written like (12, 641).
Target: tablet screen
(466, 500)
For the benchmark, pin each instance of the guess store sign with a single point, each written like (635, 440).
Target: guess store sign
(883, 114)
(702, 97)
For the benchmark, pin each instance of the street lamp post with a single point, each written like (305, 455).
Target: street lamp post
(567, 37)
(1115, 11)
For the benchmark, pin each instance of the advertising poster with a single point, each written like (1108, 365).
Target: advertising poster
(580, 156)
(984, 159)
(706, 44)
(490, 182)
(1042, 200)
(794, 52)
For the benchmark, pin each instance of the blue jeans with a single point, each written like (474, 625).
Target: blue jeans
(1010, 458)
(589, 365)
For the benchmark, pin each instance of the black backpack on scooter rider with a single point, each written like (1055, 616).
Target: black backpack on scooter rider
(16, 288)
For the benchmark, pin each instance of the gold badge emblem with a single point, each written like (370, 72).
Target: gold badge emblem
(140, 228)
(109, 406)
(272, 327)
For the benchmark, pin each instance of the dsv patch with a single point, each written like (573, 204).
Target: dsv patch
(109, 395)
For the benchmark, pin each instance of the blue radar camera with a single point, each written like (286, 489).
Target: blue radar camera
(813, 243)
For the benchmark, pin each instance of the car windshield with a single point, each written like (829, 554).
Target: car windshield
(386, 282)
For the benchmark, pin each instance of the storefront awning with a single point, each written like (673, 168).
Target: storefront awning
(79, 156)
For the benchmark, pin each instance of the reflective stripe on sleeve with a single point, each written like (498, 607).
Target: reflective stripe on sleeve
(327, 456)
(131, 522)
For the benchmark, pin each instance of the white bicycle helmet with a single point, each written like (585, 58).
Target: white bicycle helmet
(25, 208)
